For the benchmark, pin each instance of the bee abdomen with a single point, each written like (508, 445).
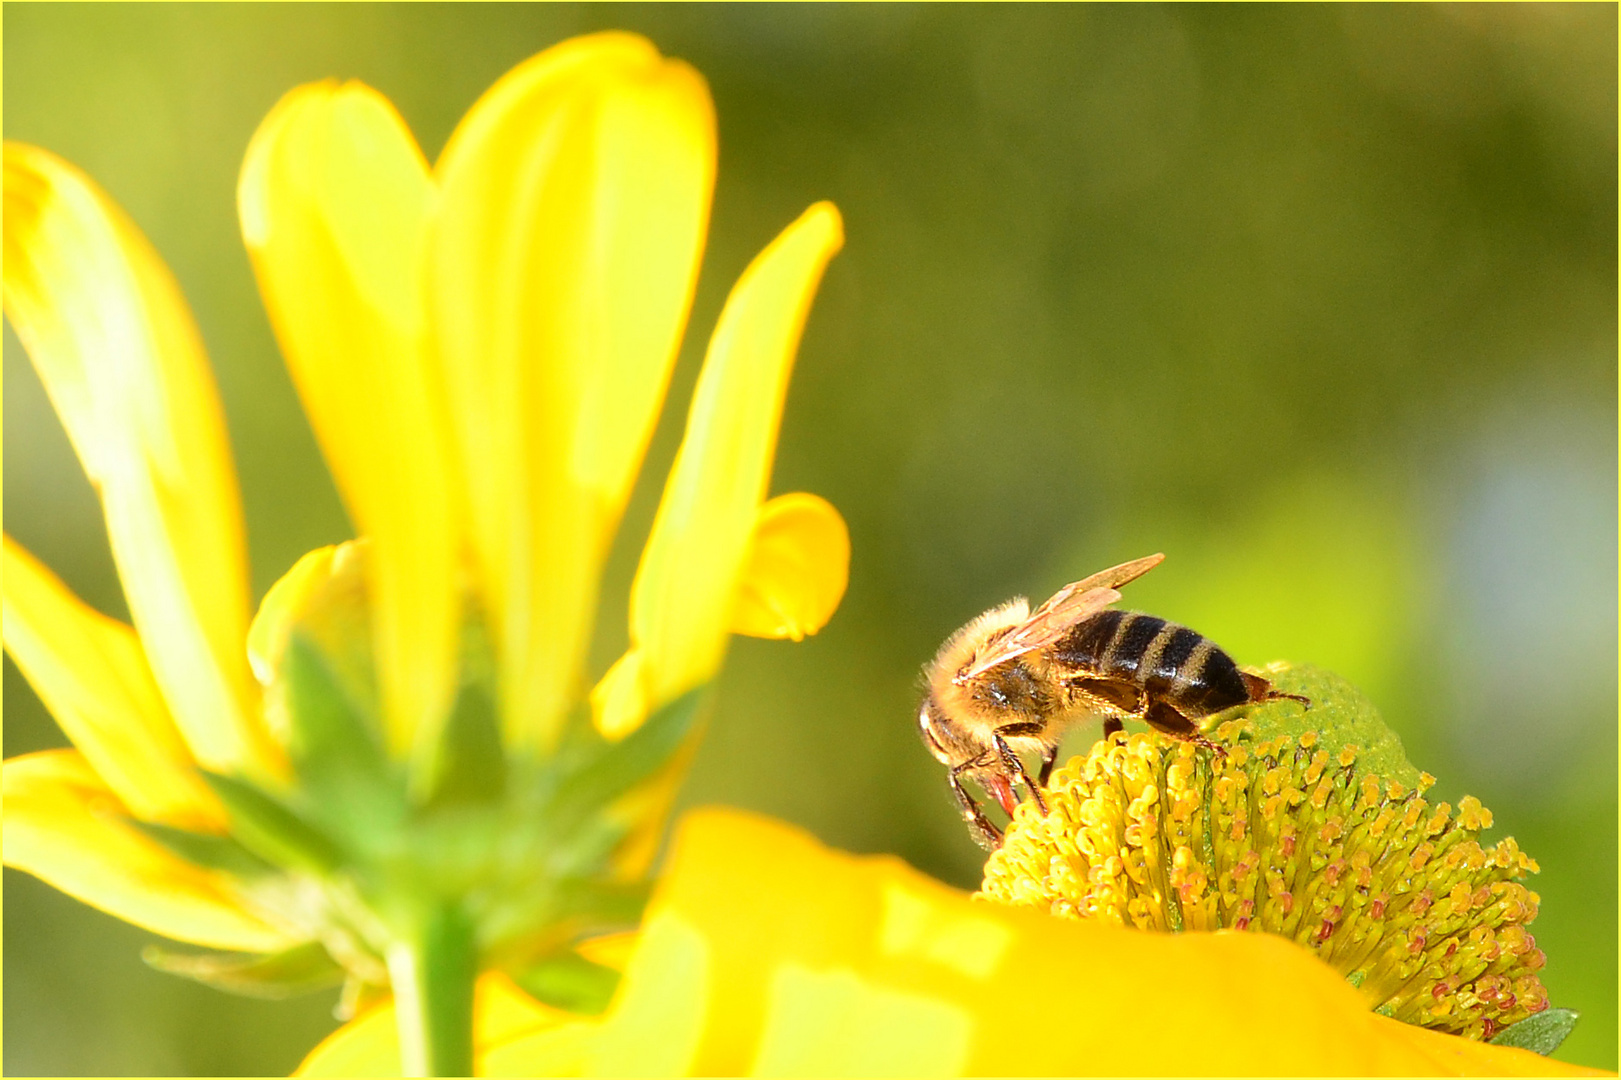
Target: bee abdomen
(1170, 663)
(1084, 647)
(1206, 682)
(1130, 655)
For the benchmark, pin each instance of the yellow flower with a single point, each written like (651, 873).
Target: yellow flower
(483, 349)
(765, 953)
(1297, 835)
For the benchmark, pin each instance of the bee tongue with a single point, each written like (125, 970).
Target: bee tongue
(1002, 788)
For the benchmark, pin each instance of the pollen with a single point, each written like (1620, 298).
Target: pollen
(1284, 836)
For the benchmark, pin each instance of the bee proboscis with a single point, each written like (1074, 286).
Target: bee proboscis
(1014, 680)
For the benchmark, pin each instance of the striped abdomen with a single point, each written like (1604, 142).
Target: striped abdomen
(1168, 662)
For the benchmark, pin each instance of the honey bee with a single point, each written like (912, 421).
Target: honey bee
(1016, 679)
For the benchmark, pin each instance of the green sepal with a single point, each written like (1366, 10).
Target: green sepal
(567, 980)
(584, 905)
(272, 830)
(303, 969)
(584, 851)
(606, 903)
(218, 853)
(334, 745)
(618, 767)
(1340, 714)
(472, 768)
(1540, 1032)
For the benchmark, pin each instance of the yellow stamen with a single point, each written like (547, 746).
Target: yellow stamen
(1394, 892)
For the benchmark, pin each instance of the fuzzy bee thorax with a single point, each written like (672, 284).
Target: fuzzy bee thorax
(968, 644)
(1016, 690)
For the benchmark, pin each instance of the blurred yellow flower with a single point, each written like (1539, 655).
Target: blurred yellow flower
(483, 349)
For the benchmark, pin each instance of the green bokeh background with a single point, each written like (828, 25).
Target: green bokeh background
(1319, 301)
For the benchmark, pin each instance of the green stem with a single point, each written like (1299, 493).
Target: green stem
(433, 976)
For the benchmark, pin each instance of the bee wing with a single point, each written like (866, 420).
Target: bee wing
(1112, 578)
(1049, 622)
(1075, 602)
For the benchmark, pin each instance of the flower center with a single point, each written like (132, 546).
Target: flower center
(1293, 837)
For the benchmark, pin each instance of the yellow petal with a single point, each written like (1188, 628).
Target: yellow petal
(619, 700)
(682, 601)
(62, 825)
(368, 1045)
(575, 196)
(610, 950)
(285, 604)
(335, 200)
(282, 604)
(114, 344)
(563, 1050)
(765, 953)
(503, 1016)
(797, 567)
(1450, 1055)
(92, 675)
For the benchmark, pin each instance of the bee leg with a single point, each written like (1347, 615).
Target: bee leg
(1164, 717)
(988, 836)
(1049, 756)
(1112, 725)
(1016, 767)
